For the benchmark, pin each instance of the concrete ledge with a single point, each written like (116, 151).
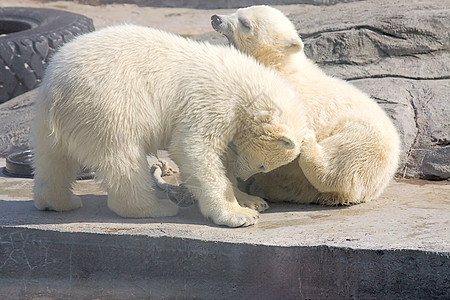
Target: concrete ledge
(56, 263)
(394, 247)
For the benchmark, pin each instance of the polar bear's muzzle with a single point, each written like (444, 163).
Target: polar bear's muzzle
(218, 24)
(222, 25)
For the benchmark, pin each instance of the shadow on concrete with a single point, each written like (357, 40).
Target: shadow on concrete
(95, 210)
(277, 207)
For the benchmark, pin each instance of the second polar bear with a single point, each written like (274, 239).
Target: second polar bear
(355, 150)
(110, 97)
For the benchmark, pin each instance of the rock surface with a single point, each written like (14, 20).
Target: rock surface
(16, 116)
(396, 51)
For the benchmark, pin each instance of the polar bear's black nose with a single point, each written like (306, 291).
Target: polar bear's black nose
(215, 20)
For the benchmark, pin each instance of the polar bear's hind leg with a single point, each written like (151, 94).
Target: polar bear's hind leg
(129, 185)
(54, 175)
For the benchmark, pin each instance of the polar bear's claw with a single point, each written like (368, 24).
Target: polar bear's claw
(253, 202)
(238, 217)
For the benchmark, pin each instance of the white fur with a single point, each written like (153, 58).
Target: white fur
(354, 150)
(110, 97)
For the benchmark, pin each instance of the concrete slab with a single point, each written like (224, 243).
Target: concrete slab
(395, 246)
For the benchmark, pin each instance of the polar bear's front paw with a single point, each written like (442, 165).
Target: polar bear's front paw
(237, 217)
(72, 203)
(252, 202)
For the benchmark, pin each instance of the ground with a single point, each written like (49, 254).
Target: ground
(429, 200)
(394, 247)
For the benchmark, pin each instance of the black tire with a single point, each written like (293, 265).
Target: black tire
(28, 38)
(19, 165)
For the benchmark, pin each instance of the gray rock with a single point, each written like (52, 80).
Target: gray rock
(398, 106)
(410, 42)
(420, 111)
(16, 116)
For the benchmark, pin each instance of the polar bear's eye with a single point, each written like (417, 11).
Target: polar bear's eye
(245, 24)
(262, 168)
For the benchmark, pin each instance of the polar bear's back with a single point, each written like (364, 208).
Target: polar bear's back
(125, 60)
(143, 81)
(122, 59)
(105, 78)
(142, 52)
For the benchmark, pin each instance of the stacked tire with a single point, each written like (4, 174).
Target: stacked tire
(28, 38)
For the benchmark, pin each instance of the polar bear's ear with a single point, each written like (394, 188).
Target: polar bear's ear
(286, 142)
(263, 116)
(293, 45)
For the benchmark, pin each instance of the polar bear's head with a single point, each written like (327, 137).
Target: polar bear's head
(260, 31)
(263, 146)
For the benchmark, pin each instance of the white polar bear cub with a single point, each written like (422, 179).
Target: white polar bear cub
(355, 150)
(110, 97)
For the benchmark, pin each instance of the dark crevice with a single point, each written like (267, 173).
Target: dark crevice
(432, 177)
(368, 27)
(376, 30)
(409, 153)
(397, 76)
(380, 31)
(380, 59)
(441, 142)
(428, 51)
(383, 101)
(346, 63)
(20, 106)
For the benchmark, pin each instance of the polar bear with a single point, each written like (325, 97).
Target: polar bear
(355, 150)
(112, 96)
